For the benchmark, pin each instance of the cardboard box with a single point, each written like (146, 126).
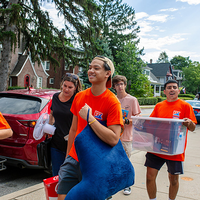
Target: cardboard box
(159, 135)
(50, 186)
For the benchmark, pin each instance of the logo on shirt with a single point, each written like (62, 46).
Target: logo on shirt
(98, 115)
(176, 114)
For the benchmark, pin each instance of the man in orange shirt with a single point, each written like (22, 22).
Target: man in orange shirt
(100, 104)
(170, 108)
(5, 130)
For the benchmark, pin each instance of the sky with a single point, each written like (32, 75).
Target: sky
(165, 25)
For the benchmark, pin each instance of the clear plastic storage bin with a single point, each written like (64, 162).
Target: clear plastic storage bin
(159, 135)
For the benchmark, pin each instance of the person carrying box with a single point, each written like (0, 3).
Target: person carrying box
(5, 130)
(172, 107)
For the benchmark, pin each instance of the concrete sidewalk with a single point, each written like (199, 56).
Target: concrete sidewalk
(189, 182)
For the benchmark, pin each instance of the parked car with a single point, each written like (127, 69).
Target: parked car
(196, 107)
(22, 108)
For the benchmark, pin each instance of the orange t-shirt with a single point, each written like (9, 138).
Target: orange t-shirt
(3, 123)
(105, 107)
(178, 109)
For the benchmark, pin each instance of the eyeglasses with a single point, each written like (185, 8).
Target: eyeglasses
(72, 75)
(119, 84)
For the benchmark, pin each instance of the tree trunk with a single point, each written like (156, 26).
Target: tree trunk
(7, 53)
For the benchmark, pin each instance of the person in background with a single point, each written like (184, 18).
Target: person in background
(100, 103)
(176, 108)
(5, 130)
(130, 104)
(61, 117)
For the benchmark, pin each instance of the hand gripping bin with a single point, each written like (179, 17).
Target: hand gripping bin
(50, 186)
(159, 135)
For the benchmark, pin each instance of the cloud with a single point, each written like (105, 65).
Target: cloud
(191, 2)
(58, 21)
(158, 18)
(155, 54)
(169, 9)
(145, 27)
(140, 15)
(160, 43)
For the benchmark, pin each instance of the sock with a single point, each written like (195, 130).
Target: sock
(153, 199)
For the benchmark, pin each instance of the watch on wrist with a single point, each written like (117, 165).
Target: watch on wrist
(127, 121)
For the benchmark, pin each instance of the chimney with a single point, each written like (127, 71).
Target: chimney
(150, 61)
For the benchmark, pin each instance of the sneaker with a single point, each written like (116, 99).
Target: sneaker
(127, 191)
(109, 198)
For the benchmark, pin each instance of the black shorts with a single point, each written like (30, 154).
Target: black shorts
(153, 161)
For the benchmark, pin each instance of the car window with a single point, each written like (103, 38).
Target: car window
(20, 104)
(196, 104)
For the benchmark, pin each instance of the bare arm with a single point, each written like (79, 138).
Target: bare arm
(189, 124)
(51, 118)
(5, 133)
(109, 135)
(72, 133)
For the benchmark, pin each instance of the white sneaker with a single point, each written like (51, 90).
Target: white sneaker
(127, 191)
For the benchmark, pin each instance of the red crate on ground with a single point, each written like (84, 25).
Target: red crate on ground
(50, 186)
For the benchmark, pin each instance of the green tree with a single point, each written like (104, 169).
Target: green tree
(130, 66)
(179, 62)
(163, 58)
(119, 25)
(191, 79)
(25, 18)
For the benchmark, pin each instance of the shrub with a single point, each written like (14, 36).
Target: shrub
(147, 100)
(15, 87)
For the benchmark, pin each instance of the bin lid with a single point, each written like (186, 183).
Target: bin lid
(158, 119)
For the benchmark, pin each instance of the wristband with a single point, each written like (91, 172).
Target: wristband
(92, 122)
(127, 121)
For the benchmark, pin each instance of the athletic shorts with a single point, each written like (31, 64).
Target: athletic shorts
(69, 175)
(153, 161)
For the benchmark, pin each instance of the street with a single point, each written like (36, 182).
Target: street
(14, 179)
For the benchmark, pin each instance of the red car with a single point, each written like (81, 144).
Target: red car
(21, 109)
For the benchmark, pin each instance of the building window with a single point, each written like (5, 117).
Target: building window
(39, 84)
(51, 81)
(147, 73)
(47, 67)
(157, 89)
(66, 67)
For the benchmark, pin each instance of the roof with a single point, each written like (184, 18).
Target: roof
(153, 79)
(20, 63)
(160, 69)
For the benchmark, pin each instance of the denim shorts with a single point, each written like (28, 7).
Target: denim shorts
(156, 162)
(69, 175)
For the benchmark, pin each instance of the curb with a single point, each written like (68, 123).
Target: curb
(22, 192)
(147, 106)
